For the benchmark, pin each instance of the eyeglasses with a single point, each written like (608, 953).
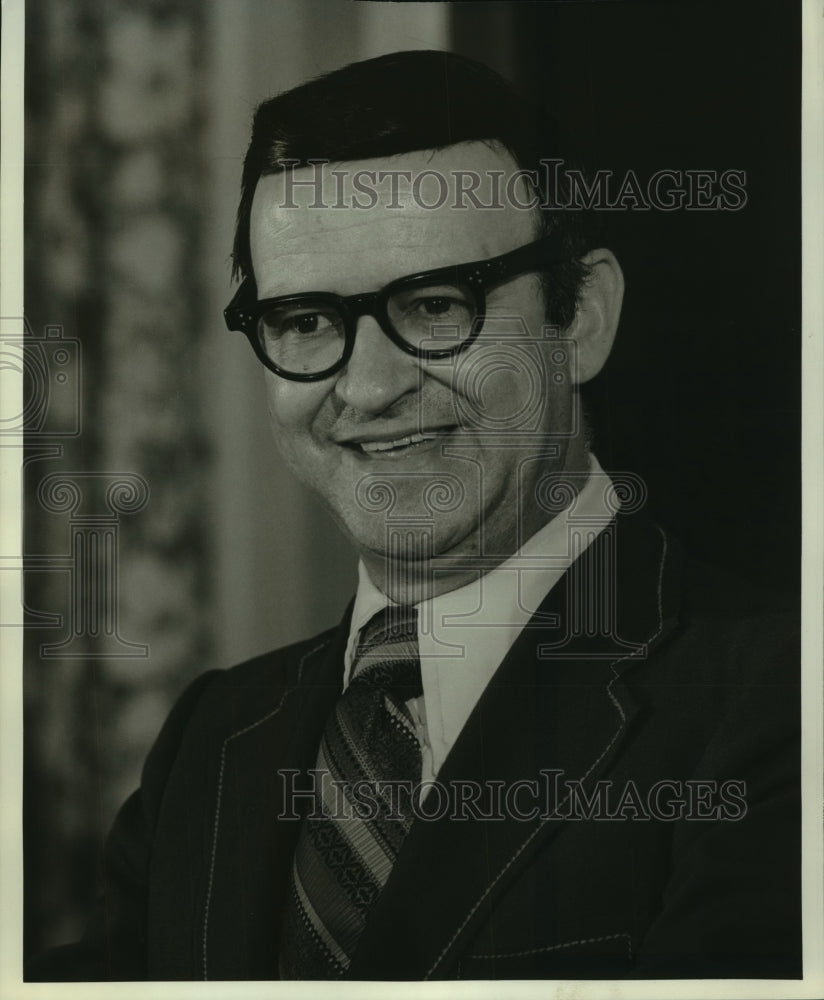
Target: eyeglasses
(310, 336)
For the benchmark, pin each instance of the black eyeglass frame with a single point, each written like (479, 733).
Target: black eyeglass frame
(245, 310)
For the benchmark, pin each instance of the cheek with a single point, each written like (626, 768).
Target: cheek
(293, 413)
(505, 379)
(505, 387)
(292, 406)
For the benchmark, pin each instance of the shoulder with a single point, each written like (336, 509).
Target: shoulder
(725, 658)
(724, 683)
(220, 701)
(746, 632)
(279, 667)
(697, 623)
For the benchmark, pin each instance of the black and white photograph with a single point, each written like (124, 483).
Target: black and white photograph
(418, 572)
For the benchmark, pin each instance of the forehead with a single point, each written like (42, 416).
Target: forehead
(354, 226)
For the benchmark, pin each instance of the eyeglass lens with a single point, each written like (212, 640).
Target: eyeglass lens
(306, 335)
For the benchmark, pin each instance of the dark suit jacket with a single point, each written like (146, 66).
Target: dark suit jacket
(676, 679)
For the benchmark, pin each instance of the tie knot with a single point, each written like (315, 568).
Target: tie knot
(394, 622)
(387, 655)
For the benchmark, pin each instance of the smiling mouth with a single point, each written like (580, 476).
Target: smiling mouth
(405, 443)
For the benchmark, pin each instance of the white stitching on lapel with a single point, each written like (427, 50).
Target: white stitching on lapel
(558, 947)
(595, 763)
(226, 743)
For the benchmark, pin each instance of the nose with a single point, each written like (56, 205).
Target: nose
(378, 373)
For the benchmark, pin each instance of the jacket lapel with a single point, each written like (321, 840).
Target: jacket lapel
(275, 735)
(557, 703)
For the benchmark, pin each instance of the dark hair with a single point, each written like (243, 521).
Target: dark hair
(401, 103)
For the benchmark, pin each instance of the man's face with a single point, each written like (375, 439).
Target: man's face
(489, 416)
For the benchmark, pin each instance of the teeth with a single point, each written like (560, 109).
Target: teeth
(372, 446)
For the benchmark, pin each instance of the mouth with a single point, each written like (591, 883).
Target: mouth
(399, 444)
(395, 447)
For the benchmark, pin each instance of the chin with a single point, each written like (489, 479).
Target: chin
(394, 540)
(414, 544)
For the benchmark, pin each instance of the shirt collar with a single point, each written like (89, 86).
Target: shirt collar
(476, 624)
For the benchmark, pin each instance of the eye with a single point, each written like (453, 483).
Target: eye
(436, 306)
(432, 302)
(437, 303)
(306, 323)
(299, 323)
(419, 313)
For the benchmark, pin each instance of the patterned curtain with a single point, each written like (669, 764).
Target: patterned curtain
(116, 463)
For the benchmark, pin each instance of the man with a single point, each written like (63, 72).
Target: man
(540, 744)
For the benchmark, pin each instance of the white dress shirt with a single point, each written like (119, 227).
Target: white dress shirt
(464, 634)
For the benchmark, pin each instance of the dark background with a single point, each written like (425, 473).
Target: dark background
(701, 396)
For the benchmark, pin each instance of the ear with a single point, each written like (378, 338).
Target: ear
(599, 309)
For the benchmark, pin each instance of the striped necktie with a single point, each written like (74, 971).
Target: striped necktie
(361, 815)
